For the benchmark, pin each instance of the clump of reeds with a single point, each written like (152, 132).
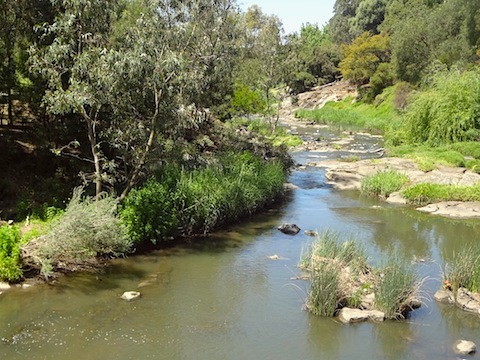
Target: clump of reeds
(396, 286)
(340, 275)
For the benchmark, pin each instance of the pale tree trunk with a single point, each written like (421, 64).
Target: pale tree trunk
(92, 138)
(148, 146)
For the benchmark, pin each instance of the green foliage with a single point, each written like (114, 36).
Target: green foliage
(150, 213)
(362, 58)
(426, 193)
(311, 59)
(10, 266)
(184, 201)
(448, 112)
(246, 101)
(89, 228)
(398, 284)
(383, 183)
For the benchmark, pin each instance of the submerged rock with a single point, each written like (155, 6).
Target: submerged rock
(348, 315)
(464, 347)
(130, 295)
(311, 233)
(289, 229)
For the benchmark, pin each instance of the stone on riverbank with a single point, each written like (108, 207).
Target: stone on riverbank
(130, 295)
(4, 286)
(468, 301)
(444, 296)
(348, 315)
(464, 347)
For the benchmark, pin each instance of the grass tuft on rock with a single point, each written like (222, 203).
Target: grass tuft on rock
(463, 270)
(427, 193)
(383, 183)
(396, 287)
(341, 276)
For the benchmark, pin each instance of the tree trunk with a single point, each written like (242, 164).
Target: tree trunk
(92, 138)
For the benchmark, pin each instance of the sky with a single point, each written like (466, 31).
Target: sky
(294, 13)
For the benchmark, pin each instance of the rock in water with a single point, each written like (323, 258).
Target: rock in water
(464, 347)
(444, 296)
(130, 295)
(348, 315)
(290, 229)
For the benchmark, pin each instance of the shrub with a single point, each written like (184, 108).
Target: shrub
(397, 286)
(88, 228)
(383, 183)
(448, 112)
(10, 267)
(150, 213)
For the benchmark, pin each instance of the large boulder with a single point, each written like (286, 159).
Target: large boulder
(290, 229)
(348, 315)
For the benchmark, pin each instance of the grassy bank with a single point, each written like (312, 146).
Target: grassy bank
(378, 117)
(175, 202)
(341, 276)
(182, 202)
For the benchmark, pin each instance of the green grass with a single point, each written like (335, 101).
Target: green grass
(378, 117)
(184, 202)
(429, 158)
(325, 296)
(426, 193)
(463, 270)
(383, 183)
(396, 286)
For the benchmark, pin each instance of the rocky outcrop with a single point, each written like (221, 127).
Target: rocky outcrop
(349, 315)
(464, 347)
(454, 209)
(348, 176)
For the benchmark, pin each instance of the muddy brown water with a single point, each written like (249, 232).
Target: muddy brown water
(223, 298)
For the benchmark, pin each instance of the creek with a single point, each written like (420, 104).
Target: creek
(223, 298)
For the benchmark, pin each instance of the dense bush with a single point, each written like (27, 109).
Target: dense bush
(181, 202)
(10, 269)
(448, 111)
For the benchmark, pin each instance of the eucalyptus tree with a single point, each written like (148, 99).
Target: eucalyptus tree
(132, 86)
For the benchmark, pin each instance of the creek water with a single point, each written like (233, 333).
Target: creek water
(223, 298)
